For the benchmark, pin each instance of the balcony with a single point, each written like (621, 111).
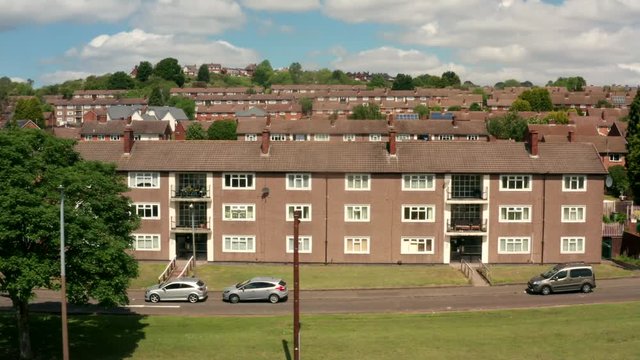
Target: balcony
(466, 225)
(200, 225)
(191, 193)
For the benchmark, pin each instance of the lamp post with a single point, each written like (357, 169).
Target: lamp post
(63, 282)
(193, 236)
(296, 285)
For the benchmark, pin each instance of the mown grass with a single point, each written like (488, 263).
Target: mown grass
(520, 274)
(606, 331)
(318, 276)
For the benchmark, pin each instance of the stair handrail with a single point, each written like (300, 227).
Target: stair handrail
(167, 271)
(466, 269)
(485, 271)
(188, 266)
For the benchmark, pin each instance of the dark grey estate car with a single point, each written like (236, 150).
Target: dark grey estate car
(258, 288)
(189, 289)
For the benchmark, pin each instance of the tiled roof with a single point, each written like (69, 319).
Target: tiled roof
(429, 157)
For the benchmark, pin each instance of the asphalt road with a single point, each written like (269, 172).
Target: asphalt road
(422, 300)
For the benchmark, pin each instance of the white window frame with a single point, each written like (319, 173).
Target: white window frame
(154, 239)
(351, 180)
(101, 137)
(250, 137)
(375, 137)
(577, 241)
(147, 207)
(239, 239)
(403, 137)
(238, 177)
(515, 179)
(446, 137)
(363, 211)
(615, 157)
(574, 183)
(523, 210)
(411, 182)
(349, 137)
(524, 242)
(577, 209)
(305, 244)
(279, 137)
(137, 178)
(87, 137)
(473, 137)
(321, 137)
(114, 137)
(428, 210)
(409, 245)
(305, 211)
(228, 211)
(298, 181)
(360, 240)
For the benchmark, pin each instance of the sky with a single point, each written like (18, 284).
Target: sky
(483, 41)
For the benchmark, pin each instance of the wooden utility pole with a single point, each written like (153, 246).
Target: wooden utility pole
(63, 282)
(296, 286)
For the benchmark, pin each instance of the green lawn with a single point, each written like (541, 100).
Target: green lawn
(580, 332)
(520, 274)
(318, 276)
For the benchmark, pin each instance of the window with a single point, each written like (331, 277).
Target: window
(300, 137)
(356, 245)
(298, 181)
(114, 137)
(238, 181)
(417, 182)
(572, 245)
(375, 137)
(515, 213)
(573, 213)
(144, 180)
(304, 244)
(574, 183)
(321, 137)
(513, 245)
(279, 137)
(416, 245)
(515, 182)
(403, 137)
(87, 137)
(356, 213)
(238, 212)
(357, 182)
(305, 211)
(417, 213)
(250, 137)
(238, 243)
(614, 157)
(147, 242)
(349, 137)
(445, 137)
(101, 137)
(148, 211)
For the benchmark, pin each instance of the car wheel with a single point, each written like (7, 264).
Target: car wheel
(586, 288)
(193, 298)
(273, 298)
(234, 299)
(154, 298)
(545, 290)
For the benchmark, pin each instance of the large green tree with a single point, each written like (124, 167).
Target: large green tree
(378, 81)
(633, 146)
(422, 111)
(575, 83)
(29, 109)
(222, 130)
(121, 80)
(156, 98)
(169, 69)
(307, 106)
(450, 78)
(509, 126)
(262, 74)
(188, 105)
(195, 131)
(144, 70)
(402, 82)
(369, 111)
(203, 73)
(520, 105)
(538, 98)
(295, 69)
(98, 222)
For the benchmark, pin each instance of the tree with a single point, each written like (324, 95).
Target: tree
(576, 83)
(203, 73)
(307, 106)
(121, 80)
(144, 70)
(603, 103)
(169, 69)
(223, 130)
(475, 107)
(98, 224)
(509, 126)
(195, 131)
(454, 108)
(538, 98)
(29, 109)
(295, 70)
(188, 105)
(378, 81)
(93, 82)
(422, 111)
(281, 77)
(262, 74)
(520, 105)
(557, 117)
(450, 78)
(155, 98)
(369, 111)
(338, 76)
(402, 82)
(620, 179)
(633, 146)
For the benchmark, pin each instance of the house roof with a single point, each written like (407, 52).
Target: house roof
(326, 157)
(116, 127)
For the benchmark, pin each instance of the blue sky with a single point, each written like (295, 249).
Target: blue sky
(483, 41)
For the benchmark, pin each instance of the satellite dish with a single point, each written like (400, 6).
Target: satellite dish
(608, 181)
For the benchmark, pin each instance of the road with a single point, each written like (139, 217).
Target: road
(422, 300)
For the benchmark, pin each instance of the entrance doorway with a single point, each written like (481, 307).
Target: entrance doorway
(184, 249)
(467, 248)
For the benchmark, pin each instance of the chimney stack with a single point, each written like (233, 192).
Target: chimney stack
(453, 121)
(266, 138)
(391, 120)
(128, 139)
(533, 142)
(268, 119)
(572, 135)
(392, 141)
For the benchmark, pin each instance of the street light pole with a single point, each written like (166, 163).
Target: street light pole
(193, 236)
(296, 285)
(63, 282)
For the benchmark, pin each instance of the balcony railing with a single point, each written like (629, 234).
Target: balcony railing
(466, 225)
(190, 192)
(467, 194)
(199, 225)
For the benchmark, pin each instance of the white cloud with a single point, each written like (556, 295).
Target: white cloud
(510, 53)
(121, 51)
(635, 67)
(280, 5)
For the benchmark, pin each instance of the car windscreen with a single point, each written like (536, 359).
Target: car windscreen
(241, 284)
(549, 273)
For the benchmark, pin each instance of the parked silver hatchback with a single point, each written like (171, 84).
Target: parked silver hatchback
(258, 288)
(189, 289)
(564, 277)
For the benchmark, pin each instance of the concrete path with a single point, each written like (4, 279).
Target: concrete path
(476, 278)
